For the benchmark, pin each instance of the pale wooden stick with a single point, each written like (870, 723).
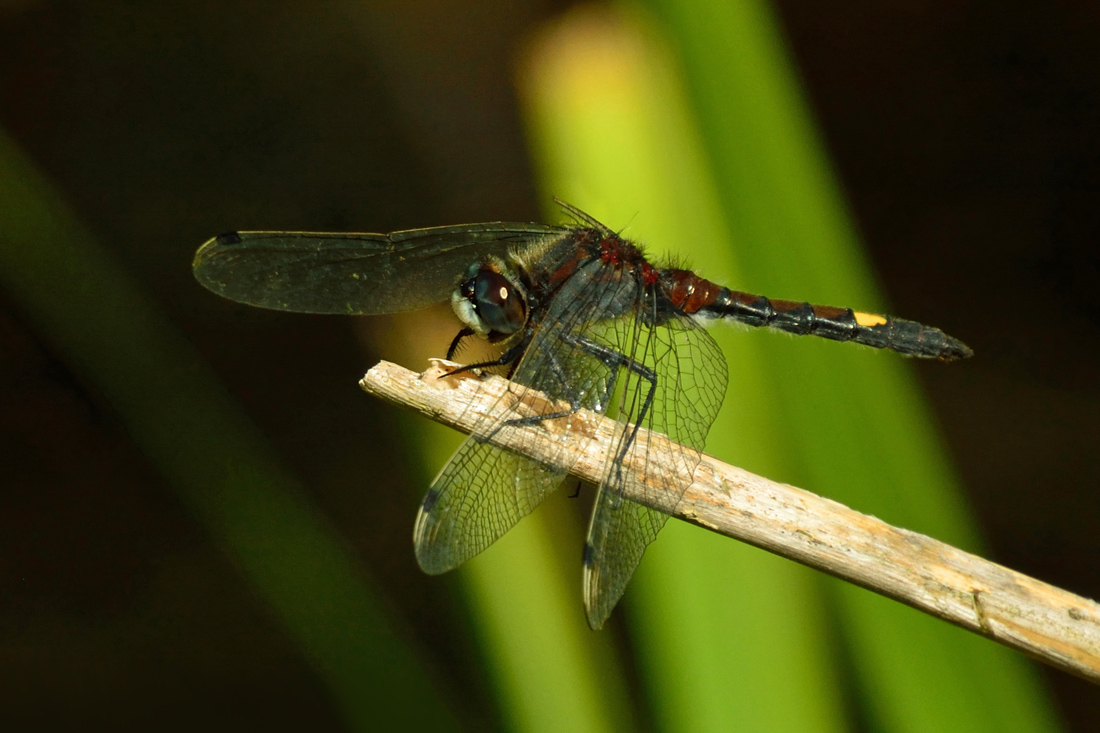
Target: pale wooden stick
(1045, 622)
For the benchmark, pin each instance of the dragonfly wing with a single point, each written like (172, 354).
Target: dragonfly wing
(484, 490)
(682, 403)
(477, 497)
(353, 274)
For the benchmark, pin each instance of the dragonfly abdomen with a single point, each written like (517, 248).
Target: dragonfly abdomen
(839, 324)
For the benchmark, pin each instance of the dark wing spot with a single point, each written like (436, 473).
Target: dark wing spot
(589, 555)
(429, 501)
(228, 238)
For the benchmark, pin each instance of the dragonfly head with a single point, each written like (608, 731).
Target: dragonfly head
(489, 301)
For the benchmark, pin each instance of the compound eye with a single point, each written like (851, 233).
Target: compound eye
(497, 302)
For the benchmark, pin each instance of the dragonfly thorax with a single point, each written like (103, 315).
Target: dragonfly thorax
(490, 303)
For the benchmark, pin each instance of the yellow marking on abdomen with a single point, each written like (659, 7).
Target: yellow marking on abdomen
(868, 319)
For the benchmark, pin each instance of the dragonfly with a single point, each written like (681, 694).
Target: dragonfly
(578, 315)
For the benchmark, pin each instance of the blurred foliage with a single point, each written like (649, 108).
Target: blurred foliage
(612, 128)
(222, 468)
(164, 123)
(881, 456)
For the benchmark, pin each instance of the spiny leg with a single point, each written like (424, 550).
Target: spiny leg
(559, 373)
(606, 355)
(616, 360)
(464, 333)
(511, 356)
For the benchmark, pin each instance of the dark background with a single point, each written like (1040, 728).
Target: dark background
(966, 132)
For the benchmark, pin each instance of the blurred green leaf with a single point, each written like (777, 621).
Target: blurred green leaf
(881, 454)
(725, 635)
(112, 335)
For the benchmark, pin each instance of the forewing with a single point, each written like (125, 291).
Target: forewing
(690, 383)
(483, 490)
(355, 274)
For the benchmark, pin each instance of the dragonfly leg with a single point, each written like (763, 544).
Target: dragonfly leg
(511, 356)
(574, 402)
(616, 360)
(465, 332)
